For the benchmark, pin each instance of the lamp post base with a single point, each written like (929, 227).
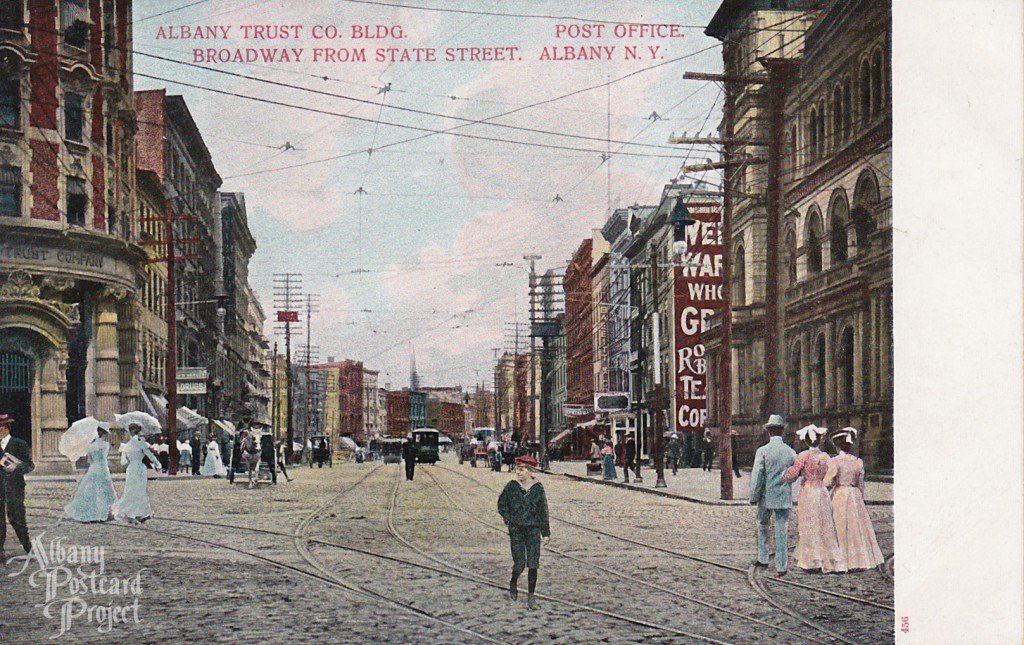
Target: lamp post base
(660, 483)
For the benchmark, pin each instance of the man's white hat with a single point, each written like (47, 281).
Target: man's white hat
(775, 420)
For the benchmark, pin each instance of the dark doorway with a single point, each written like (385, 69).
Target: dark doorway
(16, 393)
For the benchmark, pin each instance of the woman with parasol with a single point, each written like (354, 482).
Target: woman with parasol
(134, 504)
(95, 494)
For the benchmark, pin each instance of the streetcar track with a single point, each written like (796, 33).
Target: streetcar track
(755, 583)
(300, 538)
(697, 558)
(322, 574)
(886, 569)
(633, 579)
(570, 603)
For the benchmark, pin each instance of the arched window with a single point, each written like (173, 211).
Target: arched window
(838, 116)
(794, 167)
(793, 377)
(821, 130)
(877, 88)
(847, 108)
(865, 200)
(813, 243)
(864, 84)
(844, 365)
(790, 258)
(837, 241)
(813, 128)
(739, 278)
(819, 373)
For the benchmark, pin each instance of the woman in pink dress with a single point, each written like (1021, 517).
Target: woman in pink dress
(816, 547)
(853, 526)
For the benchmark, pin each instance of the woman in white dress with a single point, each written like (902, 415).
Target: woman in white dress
(134, 504)
(213, 464)
(184, 457)
(95, 494)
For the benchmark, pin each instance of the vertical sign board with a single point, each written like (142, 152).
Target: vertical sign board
(698, 295)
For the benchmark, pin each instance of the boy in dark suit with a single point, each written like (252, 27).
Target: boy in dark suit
(12, 484)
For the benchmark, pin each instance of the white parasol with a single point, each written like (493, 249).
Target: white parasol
(348, 444)
(74, 443)
(149, 423)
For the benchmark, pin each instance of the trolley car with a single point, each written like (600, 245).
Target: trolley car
(427, 440)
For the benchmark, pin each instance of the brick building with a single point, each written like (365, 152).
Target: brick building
(70, 268)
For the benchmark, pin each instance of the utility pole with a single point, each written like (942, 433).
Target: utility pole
(541, 434)
(779, 72)
(273, 390)
(659, 390)
(497, 391)
(287, 287)
(170, 317)
(725, 361)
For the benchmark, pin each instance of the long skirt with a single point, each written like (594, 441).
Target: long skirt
(94, 496)
(609, 467)
(854, 530)
(134, 502)
(817, 546)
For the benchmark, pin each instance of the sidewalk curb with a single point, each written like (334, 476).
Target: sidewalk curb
(665, 493)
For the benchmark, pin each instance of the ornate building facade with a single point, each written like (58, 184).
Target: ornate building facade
(69, 263)
(811, 244)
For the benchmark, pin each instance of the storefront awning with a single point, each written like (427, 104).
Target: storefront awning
(226, 426)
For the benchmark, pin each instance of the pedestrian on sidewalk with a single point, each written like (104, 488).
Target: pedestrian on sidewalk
(817, 548)
(632, 460)
(197, 452)
(409, 456)
(95, 493)
(15, 463)
(282, 458)
(708, 450)
(524, 508)
(772, 495)
(134, 506)
(184, 457)
(735, 452)
(675, 449)
(854, 531)
(608, 455)
(213, 464)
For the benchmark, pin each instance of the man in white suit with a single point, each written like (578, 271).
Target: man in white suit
(771, 493)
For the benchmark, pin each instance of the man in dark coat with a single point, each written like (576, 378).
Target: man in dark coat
(631, 460)
(267, 455)
(735, 454)
(12, 484)
(409, 451)
(197, 452)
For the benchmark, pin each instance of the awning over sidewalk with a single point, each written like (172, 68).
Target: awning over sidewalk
(226, 426)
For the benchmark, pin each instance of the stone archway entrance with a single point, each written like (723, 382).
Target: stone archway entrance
(16, 377)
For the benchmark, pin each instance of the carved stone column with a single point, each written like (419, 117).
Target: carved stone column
(108, 382)
(53, 418)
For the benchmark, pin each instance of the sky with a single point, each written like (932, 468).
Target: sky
(413, 239)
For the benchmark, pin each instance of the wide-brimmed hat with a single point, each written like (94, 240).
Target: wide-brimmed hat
(775, 421)
(526, 460)
(811, 433)
(849, 433)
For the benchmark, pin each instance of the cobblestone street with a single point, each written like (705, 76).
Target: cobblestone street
(355, 553)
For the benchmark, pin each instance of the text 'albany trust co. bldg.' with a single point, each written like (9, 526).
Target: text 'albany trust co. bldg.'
(68, 266)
